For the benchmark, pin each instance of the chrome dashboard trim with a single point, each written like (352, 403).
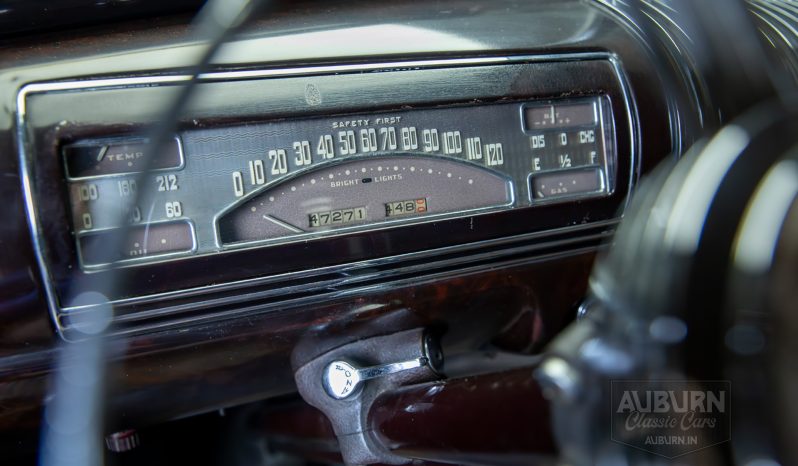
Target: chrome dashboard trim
(338, 294)
(24, 146)
(356, 266)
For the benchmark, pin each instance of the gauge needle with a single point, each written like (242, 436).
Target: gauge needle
(283, 224)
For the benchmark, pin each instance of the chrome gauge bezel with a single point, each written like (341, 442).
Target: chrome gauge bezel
(309, 236)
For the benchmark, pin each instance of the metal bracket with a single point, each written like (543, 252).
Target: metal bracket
(344, 383)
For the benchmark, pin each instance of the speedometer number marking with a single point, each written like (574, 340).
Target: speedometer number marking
(409, 138)
(238, 184)
(388, 138)
(325, 149)
(302, 152)
(368, 140)
(495, 154)
(257, 173)
(452, 143)
(346, 142)
(279, 161)
(474, 148)
(431, 140)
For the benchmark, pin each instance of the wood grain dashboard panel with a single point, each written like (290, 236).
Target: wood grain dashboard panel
(197, 361)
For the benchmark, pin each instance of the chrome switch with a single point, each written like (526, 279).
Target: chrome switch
(342, 380)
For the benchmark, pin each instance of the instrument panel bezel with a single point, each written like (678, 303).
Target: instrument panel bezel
(313, 236)
(39, 138)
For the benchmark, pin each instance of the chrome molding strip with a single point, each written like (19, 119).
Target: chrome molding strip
(357, 267)
(352, 282)
(346, 294)
(24, 148)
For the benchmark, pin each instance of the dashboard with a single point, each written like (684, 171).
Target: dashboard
(342, 170)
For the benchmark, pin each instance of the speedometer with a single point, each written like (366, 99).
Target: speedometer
(364, 192)
(272, 182)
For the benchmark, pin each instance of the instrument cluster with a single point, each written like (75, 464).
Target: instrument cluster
(261, 184)
(303, 179)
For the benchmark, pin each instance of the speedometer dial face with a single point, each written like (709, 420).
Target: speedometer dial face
(277, 181)
(364, 191)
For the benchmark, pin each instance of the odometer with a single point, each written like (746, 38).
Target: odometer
(335, 217)
(290, 180)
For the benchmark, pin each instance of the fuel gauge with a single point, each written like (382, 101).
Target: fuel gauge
(570, 148)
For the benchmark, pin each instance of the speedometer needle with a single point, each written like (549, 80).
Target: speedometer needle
(283, 224)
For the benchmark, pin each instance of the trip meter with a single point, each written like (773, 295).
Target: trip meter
(290, 180)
